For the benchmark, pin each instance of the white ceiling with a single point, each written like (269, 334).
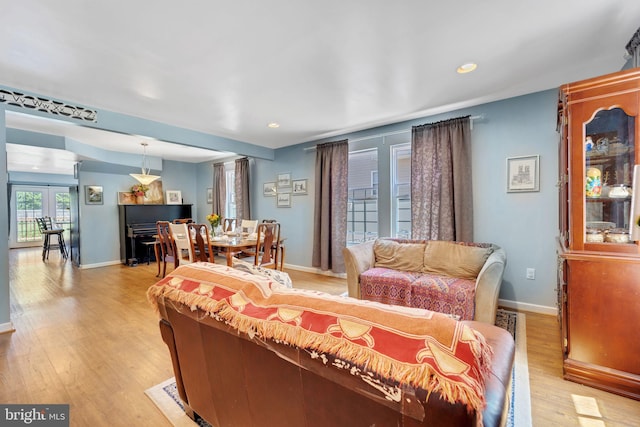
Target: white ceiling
(319, 68)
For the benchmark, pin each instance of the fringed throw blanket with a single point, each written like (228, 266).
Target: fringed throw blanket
(424, 349)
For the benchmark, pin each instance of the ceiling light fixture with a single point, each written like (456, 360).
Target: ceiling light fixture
(467, 68)
(144, 178)
(273, 125)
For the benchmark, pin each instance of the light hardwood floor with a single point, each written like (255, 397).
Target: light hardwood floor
(90, 339)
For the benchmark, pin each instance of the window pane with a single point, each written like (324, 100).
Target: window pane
(362, 209)
(401, 190)
(231, 194)
(28, 208)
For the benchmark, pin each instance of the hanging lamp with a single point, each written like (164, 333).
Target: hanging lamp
(144, 178)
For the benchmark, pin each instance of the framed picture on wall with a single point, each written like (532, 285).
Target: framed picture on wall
(126, 198)
(299, 186)
(210, 195)
(269, 189)
(93, 195)
(174, 197)
(284, 180)
(523, 174)
(283, 200)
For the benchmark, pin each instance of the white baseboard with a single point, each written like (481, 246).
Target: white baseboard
(6, 327)
(100, 264)
(314, 270)
(534, 308)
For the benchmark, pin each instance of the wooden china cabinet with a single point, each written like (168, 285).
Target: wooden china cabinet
(598, 263)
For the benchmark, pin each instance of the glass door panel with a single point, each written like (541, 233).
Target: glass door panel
(609, 158)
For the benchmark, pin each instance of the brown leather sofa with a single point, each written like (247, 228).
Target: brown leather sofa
(233, 378)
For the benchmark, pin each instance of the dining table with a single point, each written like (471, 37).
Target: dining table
(232, 245)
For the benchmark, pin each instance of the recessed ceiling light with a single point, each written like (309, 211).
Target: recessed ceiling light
(274, 125)
(467, 68)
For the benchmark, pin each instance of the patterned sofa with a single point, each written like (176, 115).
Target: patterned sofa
(462, 279)
(248, 350)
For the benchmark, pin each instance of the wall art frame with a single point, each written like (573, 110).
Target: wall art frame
(93, 195)
(523, 174)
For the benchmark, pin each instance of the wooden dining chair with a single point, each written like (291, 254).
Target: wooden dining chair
(278, 247)
(167, 246)
(182, 220)
(200, 242)
(266, 253)
(228, 224)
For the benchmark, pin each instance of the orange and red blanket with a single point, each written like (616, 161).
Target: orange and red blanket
(425, 349)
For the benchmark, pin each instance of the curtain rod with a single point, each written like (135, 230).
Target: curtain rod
(397, 132)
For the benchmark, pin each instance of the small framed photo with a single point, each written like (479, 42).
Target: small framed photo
(93, 195)
(174, 197)
(523, 174)
(299, 187)
(284, 180)
(283, 200)
(126, 198)
(269, 189)
(209, 195)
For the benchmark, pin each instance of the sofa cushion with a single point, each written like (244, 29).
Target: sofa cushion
(455, 259)
(398, 256)
(444, 294)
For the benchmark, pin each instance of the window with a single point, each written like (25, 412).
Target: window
(362, 207)
(401, 190)
(230, 208)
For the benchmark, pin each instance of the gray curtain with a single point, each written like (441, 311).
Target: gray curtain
(633, 49)
(219, 190)
(441, 190)
(330, 216)
(241, 186)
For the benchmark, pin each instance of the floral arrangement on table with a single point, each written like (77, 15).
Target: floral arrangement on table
(214, 220)
(139, 190)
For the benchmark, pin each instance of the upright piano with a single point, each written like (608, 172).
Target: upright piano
(138, 224)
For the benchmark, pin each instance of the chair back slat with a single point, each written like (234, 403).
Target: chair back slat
(268, 234)
(200, 242)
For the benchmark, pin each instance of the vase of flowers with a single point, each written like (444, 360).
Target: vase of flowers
(214, 220)
(139, 190)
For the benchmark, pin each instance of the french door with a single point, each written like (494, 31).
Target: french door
(31, 202)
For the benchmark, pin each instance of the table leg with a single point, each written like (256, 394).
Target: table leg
(229, 258)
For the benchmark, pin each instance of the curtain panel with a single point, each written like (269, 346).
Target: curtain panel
(241, 186)
(330, 215)
(219, 202)
(441, 188)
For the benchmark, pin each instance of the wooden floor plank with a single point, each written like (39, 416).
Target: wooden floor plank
(90, 338)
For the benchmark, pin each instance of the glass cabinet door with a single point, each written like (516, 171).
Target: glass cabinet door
(609, 148)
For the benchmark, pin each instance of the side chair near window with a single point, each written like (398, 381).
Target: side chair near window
(167, 246)
(278, 248)
(228, 224)
(266, 251)
(47, 229)
(200, 242)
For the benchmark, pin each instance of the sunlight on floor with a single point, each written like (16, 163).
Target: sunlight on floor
(588, 408)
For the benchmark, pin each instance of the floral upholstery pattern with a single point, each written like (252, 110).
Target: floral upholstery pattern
(443, 294)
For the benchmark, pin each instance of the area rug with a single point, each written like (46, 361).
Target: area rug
(520, 410)
(165, 395)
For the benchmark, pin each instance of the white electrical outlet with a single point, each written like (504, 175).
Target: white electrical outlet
(531, 273)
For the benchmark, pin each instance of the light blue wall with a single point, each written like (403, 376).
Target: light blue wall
(5, 319)
(524, 224)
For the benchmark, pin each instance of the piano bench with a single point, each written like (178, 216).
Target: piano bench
(149, 245)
